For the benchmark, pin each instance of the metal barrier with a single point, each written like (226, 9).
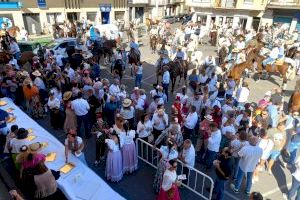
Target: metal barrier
(196, 182)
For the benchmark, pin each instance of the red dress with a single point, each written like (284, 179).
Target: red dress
(165, 195)
(178, 107)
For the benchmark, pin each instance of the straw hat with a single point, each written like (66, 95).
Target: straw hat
(27, 81)
(127, 102)
(67, 95)
(35, 147)
(209, 118)
(36, 73)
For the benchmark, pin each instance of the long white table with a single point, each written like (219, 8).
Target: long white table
(79, 184)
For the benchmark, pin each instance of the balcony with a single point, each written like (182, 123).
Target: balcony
(225, 4)
(138, 1)
(285, 4)
(159, 2)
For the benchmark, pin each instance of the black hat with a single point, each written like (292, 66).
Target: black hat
(22, 133)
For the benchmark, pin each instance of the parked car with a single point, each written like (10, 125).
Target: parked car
(180, 17)
(110, 30)
(59, 45)
(28, 45)
(186, 19)
(170, 19)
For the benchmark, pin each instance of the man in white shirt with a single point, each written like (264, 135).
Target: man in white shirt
(81, 108)
(70, 72)
(190, 123)
(249, 157)
(213, 145)
(160, 122)
(187, 156)
(166, 81)
(242, 94)
(209, 61)
(273, 55)
(240, 44)
(114, 89)
(14, 63)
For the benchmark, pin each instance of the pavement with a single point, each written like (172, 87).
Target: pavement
(138, 186)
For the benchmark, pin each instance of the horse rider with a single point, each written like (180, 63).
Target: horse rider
(153, 31)
(240, 44)
(134, 45)
(209, 65)
(163, 60)
(180, 54)
(272, 56)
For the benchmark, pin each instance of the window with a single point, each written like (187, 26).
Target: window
(248, 1)
(63, 45)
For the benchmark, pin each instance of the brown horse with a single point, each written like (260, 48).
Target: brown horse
(73, 31)
(222, 54)
(237, 71)
(58, 32)
(294, 102)
(176, 70)
(153, 43)
(4, 57)
(26, 56)
(13, 31)
(281, 68)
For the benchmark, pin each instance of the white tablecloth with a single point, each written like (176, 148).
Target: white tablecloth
(79, 184)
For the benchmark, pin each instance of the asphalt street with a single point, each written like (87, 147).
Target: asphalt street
(138, 186)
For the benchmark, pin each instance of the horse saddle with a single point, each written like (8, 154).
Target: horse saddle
(279, 62)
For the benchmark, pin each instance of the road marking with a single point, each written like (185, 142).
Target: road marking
(231, 196)
(276, 190)
(149, 77)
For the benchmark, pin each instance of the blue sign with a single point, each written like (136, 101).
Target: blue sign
(42, 3)
(105, 7)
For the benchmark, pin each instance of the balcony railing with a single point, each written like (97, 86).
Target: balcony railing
(287, 3)
(138, 1)
(225, 3)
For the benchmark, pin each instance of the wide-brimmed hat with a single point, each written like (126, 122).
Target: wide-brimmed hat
(209, 118)
(35, 147)
(23, 73)
(126, 102)
(235, 50)
(67, 95)
(35, 58)
(27, 81)
(36, 73)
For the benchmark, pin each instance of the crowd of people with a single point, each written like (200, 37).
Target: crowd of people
(211, 120)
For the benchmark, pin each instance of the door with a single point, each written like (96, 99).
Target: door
(105, 17)
(32, 23)
(243, 22)
(139, 13)
(255, 23)
(72, 16)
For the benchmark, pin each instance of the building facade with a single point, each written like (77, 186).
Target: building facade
(36, 15)
(244, 13)
(284, 12)
(142, 9)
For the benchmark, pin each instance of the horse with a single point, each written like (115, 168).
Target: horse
(281, 68)
(175, 70)
(58, 32)
(237, 71)
(4, 57)
(153, 43)
(13, 31)
(222, 54)
(133, 57)
(73, 30)
(294, 102)
(26, 56)
(107, 49)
